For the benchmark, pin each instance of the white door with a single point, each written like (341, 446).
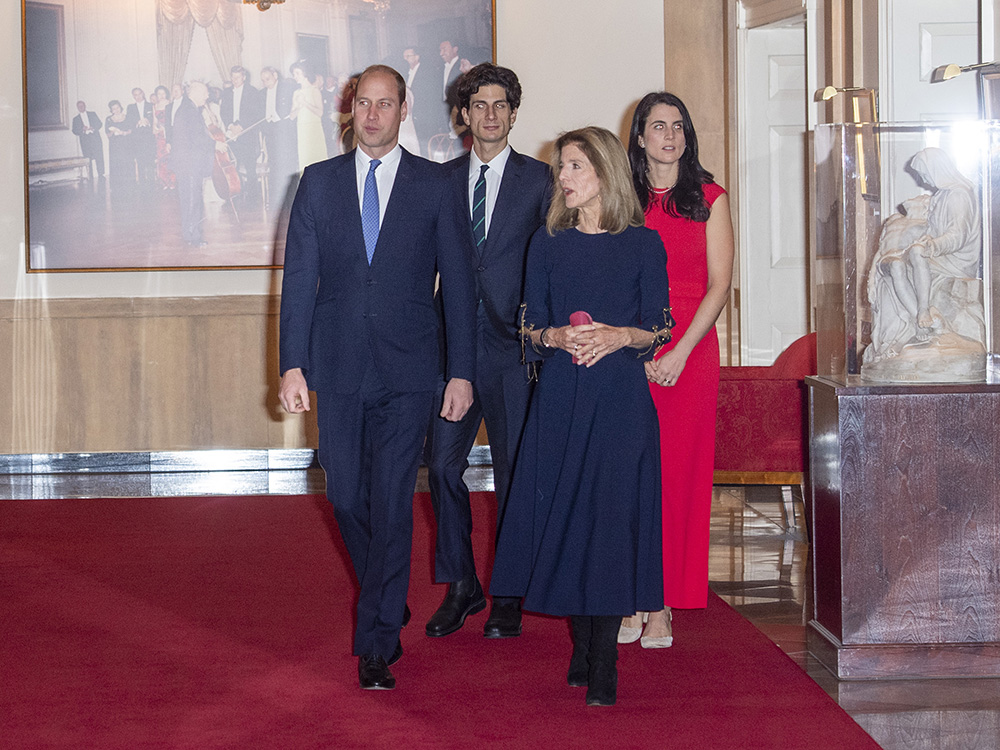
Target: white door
(774, 272)
(918, 36)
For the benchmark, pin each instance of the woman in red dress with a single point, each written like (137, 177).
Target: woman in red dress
(691, 213)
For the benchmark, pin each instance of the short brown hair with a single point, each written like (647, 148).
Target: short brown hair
(619, 205)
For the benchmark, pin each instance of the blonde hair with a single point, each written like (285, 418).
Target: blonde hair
(620, 207)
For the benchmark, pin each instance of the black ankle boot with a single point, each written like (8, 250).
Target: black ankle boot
(602, 678)
(578, 666)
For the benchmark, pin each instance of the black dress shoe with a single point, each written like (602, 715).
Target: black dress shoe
(464, 598)
(397, 654)
(504, 620)
(374, 674)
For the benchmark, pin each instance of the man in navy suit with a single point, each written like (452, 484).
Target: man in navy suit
(493, 223)
(359, 327)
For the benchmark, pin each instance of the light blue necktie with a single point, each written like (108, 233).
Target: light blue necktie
(369, 211)
(479, 208)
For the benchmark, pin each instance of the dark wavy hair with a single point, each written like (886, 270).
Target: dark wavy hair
(488, 74)
(686, 199)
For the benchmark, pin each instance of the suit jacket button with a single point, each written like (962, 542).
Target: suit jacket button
(481, 269)
(371, 282)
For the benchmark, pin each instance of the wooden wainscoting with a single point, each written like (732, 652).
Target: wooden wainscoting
(143, 374)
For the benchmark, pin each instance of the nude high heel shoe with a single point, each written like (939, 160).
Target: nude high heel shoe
(630, 635)
(661, 641)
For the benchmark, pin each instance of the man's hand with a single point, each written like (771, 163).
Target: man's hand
(293, 393)
(457, 399)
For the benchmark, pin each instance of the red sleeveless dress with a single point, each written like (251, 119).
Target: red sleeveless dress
(687, 413)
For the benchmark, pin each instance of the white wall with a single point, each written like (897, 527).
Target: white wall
(581, 62)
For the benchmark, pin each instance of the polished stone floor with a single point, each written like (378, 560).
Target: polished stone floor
(759, 564)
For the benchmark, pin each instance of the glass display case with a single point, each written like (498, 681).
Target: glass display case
(906, 256)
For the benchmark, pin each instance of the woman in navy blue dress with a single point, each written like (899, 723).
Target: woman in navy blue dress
(582, 525)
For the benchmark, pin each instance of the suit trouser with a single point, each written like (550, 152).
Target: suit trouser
(192, 205)
(501, 397)
(95, 154)
(246, 149)
(369, 446)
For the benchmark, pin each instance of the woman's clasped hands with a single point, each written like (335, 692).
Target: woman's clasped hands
(665, 370)
(589, 343)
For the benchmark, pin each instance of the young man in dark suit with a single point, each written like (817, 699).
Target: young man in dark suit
(280, 137)
(139, 119)
(428, 107)
(499, 198)
(359, 327)
(241, 109)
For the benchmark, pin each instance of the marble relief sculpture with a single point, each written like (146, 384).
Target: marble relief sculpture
(924, 283)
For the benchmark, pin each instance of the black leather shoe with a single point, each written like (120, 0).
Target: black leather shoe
(464, 598)
(397, 654)
(504, 620)
(374, 674)
(406, 615)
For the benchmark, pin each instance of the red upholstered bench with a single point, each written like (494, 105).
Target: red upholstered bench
(760, 434)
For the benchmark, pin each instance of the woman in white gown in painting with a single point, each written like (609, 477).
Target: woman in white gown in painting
(307, 111)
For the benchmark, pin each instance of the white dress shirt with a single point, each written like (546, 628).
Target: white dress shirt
(271, 104)
(494, 175)
(237, 99)
(444, 85)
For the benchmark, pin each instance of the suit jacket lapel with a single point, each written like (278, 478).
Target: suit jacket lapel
(506, 200)
(345, 190)
(461, 186)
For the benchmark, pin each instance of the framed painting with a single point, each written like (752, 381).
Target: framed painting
(118, 176)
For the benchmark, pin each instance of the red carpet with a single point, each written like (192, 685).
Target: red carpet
(226, 623)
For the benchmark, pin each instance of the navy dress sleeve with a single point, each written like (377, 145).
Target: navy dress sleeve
(536, 309)
(654, 290)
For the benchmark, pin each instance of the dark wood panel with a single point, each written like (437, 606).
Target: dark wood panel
(903, 662)
(824, 476)
(915, 510)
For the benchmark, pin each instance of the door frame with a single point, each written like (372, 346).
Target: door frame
(805, 10)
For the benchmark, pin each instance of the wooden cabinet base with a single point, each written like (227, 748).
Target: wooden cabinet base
(902, 661)
(905, 495)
